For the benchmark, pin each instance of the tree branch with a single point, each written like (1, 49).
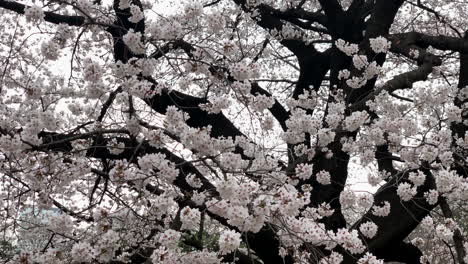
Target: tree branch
(402, 219)
(298, 13)
(49, 16)
(382, 17)
(457, 236)
(439, 42)
(402, 81)
(267, 21)
(332, 9)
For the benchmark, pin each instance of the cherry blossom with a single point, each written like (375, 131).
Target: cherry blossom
(241, 131)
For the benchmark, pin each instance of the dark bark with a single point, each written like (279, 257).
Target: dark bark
(49, 16)
(382, 17)
(403, 217)
(458, 239)
(198, 118)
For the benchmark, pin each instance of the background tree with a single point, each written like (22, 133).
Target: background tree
(150, 124)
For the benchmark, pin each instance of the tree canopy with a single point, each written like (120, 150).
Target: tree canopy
(234, 131)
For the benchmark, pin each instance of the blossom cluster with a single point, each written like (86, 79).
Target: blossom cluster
(34, 13)
(346, 48)
(244, 70)
(165, 169)
(229, 241)
(380, 44)
(178, 154)
(133, 40)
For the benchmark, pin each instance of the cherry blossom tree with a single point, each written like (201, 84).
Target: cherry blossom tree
(234, 131)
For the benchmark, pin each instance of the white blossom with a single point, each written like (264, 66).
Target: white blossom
(406, 191)
(50, 50)
(92, 71)
(170, 238)
(417, 178)
(334, 258)
(443, 232)
(133, 41)
(356, 82)
(368, 258)
(350, 241)
(355, 120)
(345, 47)
(343, 74)
(360, 61)
(82, 252)
(347, 198)
(243, 70)
(380, 44)
(323, 177)
(382, 211)
(368, 229)
(116, 147)
(431, 196)
(414, 53)
(229, 241)
(304, 171)
(137, 14)
(193, 181)
(190, 218)
(34, 13)
(427, 223)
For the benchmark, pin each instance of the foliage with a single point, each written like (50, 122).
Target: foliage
(234, 131)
